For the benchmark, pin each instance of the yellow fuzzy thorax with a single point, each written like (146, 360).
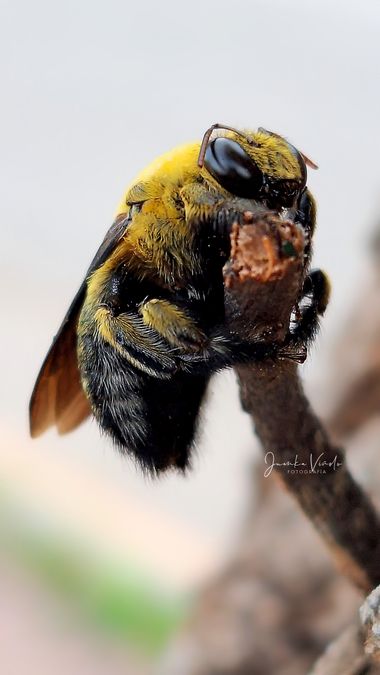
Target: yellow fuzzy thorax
(167, 172)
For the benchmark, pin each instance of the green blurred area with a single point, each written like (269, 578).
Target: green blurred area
(121, 601)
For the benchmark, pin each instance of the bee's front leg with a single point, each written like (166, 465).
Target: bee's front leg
(174, 325)
(200, 352)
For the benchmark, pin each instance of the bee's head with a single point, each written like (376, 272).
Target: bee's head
(260, 165)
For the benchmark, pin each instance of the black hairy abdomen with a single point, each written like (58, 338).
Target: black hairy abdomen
(152, 418)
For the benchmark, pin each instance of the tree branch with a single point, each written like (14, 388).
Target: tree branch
(262, 289)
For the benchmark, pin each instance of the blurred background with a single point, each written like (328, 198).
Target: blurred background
(100, 567)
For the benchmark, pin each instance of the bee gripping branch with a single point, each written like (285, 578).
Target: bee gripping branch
(262, 289)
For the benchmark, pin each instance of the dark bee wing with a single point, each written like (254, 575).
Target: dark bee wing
(58, 396)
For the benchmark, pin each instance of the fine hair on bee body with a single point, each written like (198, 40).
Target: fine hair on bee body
(147, 327)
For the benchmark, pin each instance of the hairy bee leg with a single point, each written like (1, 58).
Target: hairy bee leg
(173, 324)
(317, 286)
(306, 217)
(318, 283)
(306, 211)
(198, 352)
(136, 342)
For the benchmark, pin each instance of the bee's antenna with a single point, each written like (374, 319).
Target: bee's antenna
(207, 135)
(205, 141)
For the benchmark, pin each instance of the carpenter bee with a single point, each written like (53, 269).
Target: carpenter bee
(146, 328)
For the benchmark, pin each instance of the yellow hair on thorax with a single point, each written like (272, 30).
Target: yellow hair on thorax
(170, 170)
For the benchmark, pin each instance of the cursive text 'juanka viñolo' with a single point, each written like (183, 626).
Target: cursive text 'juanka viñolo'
(315, 465)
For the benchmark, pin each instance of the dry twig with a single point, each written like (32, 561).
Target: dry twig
(263, 289)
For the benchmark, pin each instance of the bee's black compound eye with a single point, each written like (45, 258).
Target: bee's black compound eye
(234, 170)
